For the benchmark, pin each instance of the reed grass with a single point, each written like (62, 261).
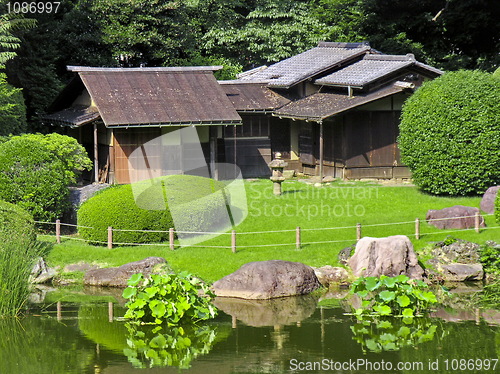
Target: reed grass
(16, 262)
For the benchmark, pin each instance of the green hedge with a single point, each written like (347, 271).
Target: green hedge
(449, 134)
(16, 225)
(121, 207)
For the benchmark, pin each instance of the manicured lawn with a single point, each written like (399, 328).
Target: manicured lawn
(325, 209)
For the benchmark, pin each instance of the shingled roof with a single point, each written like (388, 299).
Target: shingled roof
(372, 68)
(128, 97)
(322, 105)
(306, 65)
(252, 96)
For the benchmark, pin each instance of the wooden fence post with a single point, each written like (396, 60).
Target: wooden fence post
(476, 221)
(297, 237)
(417, 228)
(58, 231)
(358, 231)
(110, 237)
(171, 238)
(233, 241)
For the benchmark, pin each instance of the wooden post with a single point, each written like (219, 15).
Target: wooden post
(171, 238)
(321, 152)
(110, 237)
(58, 231)
(358, 231)
(476, 221)
(233, 241)
(96, 155)
(297, 237)
(417, 228)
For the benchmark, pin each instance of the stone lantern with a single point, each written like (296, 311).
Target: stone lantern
(277, 165)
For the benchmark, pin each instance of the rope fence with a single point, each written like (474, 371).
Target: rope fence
(299, 243)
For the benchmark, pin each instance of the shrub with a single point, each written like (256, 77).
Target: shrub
(31, 177)
(18, 252)
(449, 133)
(145, 207)
(67, 149)
(116, 207)
(16, 224)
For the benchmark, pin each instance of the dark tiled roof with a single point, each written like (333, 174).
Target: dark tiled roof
(320, 106)
(308, 64)
(370, 69)
(157, 96)
(74, 116)
(250, 96)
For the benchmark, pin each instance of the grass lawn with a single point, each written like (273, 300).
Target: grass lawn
(324, 209)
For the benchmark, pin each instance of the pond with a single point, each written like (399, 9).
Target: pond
(291, 335)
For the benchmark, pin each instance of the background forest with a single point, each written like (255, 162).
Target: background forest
(239, 34)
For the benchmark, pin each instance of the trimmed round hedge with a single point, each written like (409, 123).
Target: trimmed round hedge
(16, 225)
(197, 202)
(449, 134)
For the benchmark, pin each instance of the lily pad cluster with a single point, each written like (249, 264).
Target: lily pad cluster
(168, 298)
(392, 296)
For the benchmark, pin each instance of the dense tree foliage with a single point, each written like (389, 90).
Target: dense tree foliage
(240, 34)
(12, 109)
(449, 133)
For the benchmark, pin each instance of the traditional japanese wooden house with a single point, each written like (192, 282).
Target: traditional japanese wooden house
(332, 110)
(343, 115)
(114, 111)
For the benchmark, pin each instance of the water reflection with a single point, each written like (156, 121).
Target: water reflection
(86, 340)
(274, 312)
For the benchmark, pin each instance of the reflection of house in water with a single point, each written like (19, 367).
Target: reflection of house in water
(332, 110)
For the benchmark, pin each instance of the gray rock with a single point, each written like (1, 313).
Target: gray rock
(456, 272)
(118, 277)
(488, 201)
(455, 217)
(41, 273)
(345, 254)
(329, 275)
(455, 262)
(460, 251)
(389, 256)
(268, 280)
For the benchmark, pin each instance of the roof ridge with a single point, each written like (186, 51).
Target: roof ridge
(343, 45)
(384, 57)
(80, 69)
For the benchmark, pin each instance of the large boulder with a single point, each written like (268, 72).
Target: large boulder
(455, 217)
(488, 201)
(268, 280)
(389, 256)
(118, 277)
